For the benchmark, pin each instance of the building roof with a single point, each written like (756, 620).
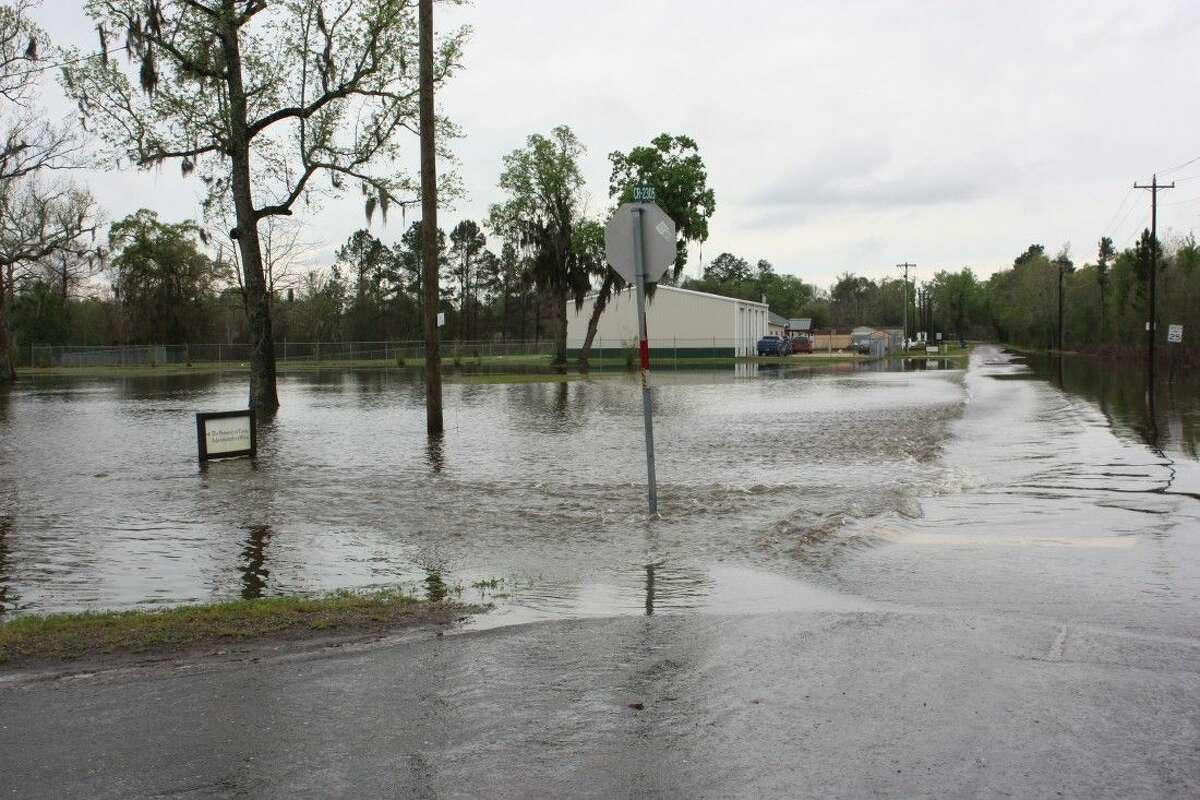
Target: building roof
(778, 319)
(800, 324)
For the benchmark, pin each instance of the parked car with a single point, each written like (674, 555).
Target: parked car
(801, 344)
(773, 345)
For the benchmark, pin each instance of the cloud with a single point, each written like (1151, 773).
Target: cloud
(864, 174)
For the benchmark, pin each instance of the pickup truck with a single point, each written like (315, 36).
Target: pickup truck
(773, 346)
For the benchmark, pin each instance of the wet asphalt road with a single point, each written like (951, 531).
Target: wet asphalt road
(1027, 628)
(826, 704)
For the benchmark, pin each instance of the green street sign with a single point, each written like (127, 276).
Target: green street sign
(643, 194)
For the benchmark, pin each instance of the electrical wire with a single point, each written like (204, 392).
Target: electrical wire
(1120, 225)
(1120, 208)
(68, 62)
(1189, 162)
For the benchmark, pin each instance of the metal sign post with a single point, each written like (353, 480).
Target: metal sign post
(639, 258)
(1174, 336)
(640, 248)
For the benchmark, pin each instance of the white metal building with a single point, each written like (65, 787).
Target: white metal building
(688, 322)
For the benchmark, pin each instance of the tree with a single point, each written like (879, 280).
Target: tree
(162, 280)
(1104, 255)
(543, 209)
(29, 143)
(38, 222)
(259, 98)
(1032, 253)
(728, 268)
(672, 166)
(29, 140)
(467, 253)
(366, 261)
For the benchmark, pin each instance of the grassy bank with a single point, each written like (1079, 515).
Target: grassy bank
(58, 637)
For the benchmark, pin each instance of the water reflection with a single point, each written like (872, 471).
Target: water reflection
(253, 562)
(1160, 413)
(650, 589)
(435, 451)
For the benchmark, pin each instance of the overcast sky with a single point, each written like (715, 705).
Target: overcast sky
(840, 135)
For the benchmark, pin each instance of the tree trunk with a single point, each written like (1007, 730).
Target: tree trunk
(7, 370)
(263, 395)
(598, 306)
(560, 295)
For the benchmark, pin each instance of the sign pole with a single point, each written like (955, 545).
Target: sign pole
(644, 348)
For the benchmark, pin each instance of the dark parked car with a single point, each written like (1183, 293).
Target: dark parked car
(801, 344)
(773, 346)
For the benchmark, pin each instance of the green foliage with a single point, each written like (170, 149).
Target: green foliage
(162, 281)
(544, 209)
(673, 166)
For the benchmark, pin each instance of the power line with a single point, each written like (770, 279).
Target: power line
(1189, 162)
(1120, 207)
(1183, 202)
(1120, 225)
(68, 62)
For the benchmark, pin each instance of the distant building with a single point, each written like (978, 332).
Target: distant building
(679, 321)
(777, 324)
(799, 327)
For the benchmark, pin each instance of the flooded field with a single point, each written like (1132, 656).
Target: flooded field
(778, 488)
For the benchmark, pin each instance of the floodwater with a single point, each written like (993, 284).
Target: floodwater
(779, 488)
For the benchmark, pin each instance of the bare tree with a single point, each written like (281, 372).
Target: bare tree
(259, 98)
(38, 222)
(32, 225)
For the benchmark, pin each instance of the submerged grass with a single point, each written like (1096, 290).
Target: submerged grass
(69, 636)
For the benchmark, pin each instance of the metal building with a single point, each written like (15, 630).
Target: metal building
(682, 321)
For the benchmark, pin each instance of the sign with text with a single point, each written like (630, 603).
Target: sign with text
(226, 434)
(643, 194)
(1175, 334)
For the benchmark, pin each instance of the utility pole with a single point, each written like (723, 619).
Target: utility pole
(1154, 188)
(1061, 262)
(906, 266)
(430, 279)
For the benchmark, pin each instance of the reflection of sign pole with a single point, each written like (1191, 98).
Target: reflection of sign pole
(639, 269)
(640, 247)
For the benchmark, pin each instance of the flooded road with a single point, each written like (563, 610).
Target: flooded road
(786, 474)
(538, 485)
(920, 583)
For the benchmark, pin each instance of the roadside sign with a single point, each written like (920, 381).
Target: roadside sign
(1175, 334)
(441, 319)
(658, 239)
(639, 243)
(226, 434)
(939, 336)
(643, 194)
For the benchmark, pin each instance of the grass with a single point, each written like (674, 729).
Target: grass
(70, 636)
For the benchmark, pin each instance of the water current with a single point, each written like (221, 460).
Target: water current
(778, 488)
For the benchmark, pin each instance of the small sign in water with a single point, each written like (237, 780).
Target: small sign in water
(1175, 334)
(226, 434)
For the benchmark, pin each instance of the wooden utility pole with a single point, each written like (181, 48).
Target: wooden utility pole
(430, 279)
(906, 267)
(1154, 187)
(1061, 262)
